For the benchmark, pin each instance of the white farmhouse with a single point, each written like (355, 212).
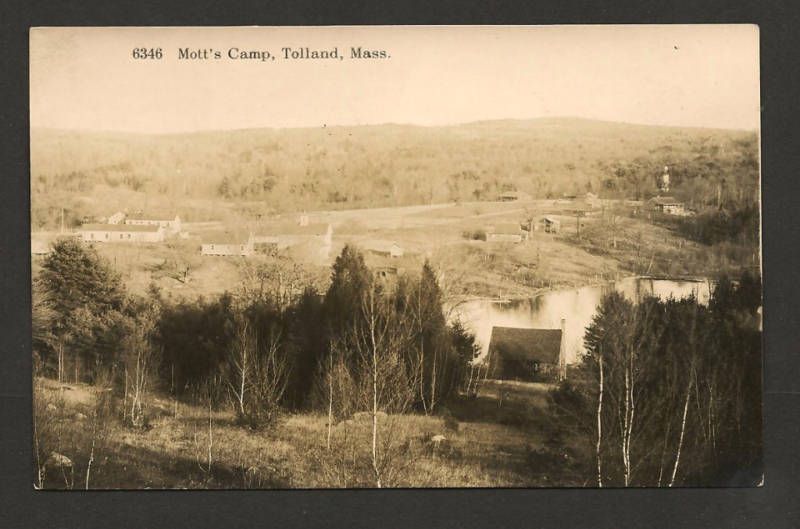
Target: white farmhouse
(171, 226)
(227, 244)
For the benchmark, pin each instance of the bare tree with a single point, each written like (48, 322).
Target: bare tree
(140, 355)
(258, 374)
(600, 422)
(241, 359)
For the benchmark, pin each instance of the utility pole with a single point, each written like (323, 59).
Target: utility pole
(578, 215)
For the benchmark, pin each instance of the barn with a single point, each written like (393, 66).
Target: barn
(530, 355)
(120, 233)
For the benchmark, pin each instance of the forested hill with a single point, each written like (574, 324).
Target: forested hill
(330, 167)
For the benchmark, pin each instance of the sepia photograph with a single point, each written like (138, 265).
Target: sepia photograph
(343, 257)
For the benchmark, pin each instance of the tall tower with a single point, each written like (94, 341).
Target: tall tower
(663, 181)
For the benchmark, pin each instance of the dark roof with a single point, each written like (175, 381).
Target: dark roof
(541, 345)
(117, 227)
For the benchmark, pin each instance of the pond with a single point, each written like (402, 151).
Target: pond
(575, 306)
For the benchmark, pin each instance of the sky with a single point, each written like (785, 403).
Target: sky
(680, 75)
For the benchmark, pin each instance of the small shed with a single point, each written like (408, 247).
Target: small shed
(550, 225)
(668, 206)
(513, 196)
(532, 355)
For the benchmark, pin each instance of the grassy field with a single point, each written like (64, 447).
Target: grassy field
(439, 233)
(502, 438)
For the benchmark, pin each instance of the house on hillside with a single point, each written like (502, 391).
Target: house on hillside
(513, 196)
(550, 225)
(384, 248)
(120, 233)
(226, 244)
(668, 206)
(506, 232)
(171, 226)
(532, 355)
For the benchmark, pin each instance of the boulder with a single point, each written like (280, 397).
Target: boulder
(80, 416)
(367, 415)
(56, 460)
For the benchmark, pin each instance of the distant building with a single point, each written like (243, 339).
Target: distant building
(227, 244)
(116, 218)
(550, 225)
(506, 232)
(171, 226)
(511, 196)
(668, 205)
(265, 244)
(384, 248)
(532, 355)
(120, 233)
(386, 272)
(40, 247)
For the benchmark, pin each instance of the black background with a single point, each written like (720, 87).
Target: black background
(774, 506)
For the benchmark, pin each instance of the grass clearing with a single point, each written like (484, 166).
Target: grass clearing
(489, 442)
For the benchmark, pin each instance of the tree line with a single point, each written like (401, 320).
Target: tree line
(669, 392)
(363, 345)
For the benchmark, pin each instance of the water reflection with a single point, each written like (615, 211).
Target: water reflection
(575, 306)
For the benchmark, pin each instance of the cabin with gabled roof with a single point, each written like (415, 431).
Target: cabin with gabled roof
(530, 355)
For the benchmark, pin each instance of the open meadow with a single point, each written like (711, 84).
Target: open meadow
(504, 437)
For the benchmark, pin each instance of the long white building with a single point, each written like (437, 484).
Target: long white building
(120, 233)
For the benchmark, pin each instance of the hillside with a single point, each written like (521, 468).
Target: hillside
(262, 171)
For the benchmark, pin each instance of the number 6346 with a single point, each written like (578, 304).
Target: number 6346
(147, 53)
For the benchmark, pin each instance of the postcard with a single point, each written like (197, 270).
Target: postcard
(396, 257)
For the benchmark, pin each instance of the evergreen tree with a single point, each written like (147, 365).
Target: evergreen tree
(86, 298)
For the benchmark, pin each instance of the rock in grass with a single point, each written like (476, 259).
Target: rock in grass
(80, 416)
(51, 407)
(56, 460)
(367, 415)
